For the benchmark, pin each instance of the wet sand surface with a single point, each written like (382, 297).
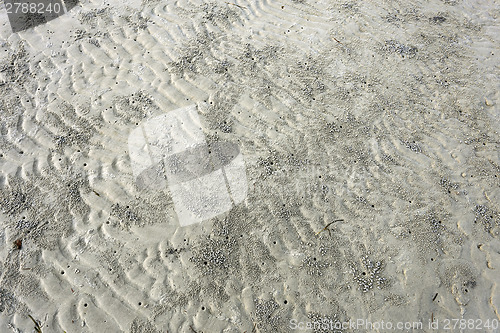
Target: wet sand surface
(381, 114)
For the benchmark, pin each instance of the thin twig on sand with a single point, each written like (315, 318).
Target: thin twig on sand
(326, 227)
(38, 329)
(230, 3)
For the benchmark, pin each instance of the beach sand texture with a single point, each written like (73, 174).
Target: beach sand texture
(383, 114)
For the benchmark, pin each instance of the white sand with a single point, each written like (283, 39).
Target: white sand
(383, 114)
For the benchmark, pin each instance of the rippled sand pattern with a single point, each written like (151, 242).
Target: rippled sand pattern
(382, 114)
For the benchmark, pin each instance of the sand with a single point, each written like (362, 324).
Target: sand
(382, 114)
